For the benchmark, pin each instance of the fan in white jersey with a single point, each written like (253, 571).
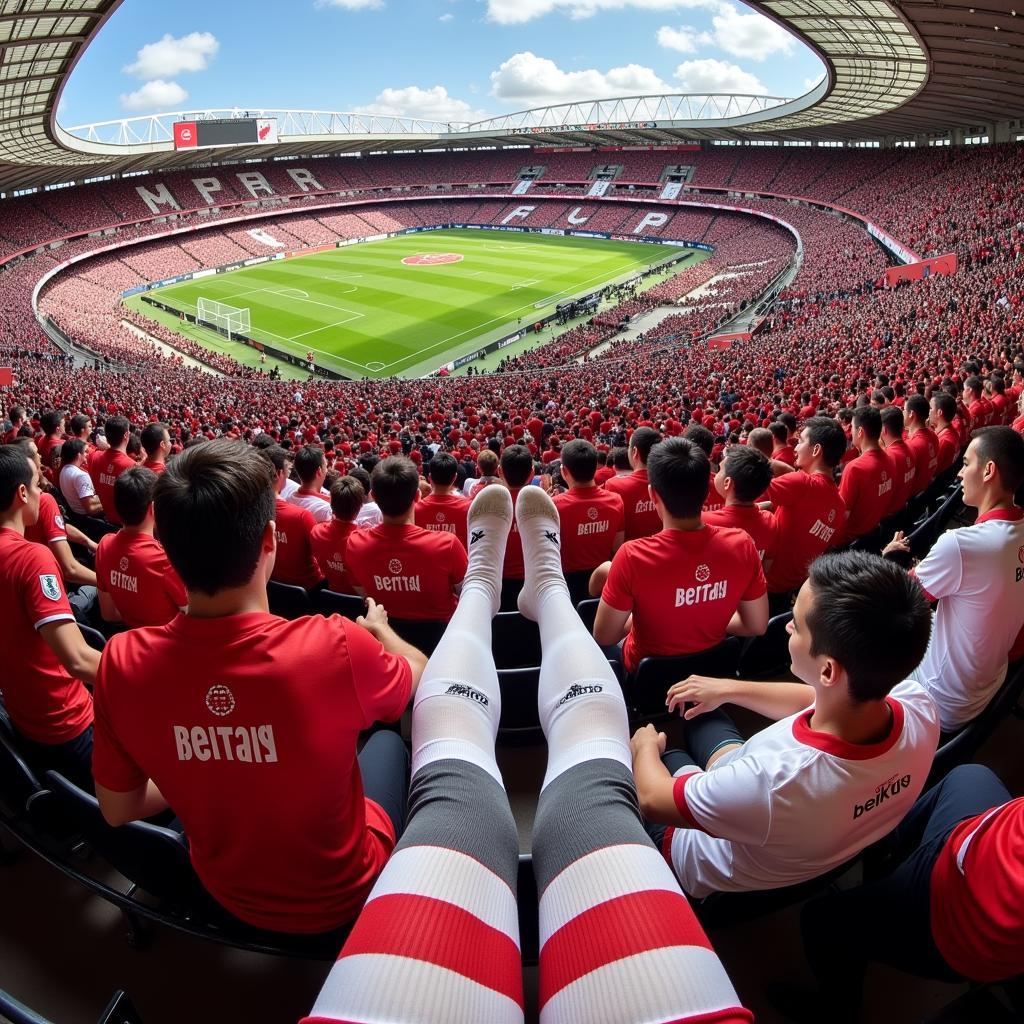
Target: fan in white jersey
(976, 574)
(843, 763)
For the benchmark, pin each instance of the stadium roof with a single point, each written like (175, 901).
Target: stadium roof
(894, 69)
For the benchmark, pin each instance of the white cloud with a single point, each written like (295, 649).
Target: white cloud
(704, 76)
(170, 56)
(430, 104)
(155, 95)
(749, 35)
(531, 81)
(684, 39)
(447, 17)
(811, 83)
(352, 5)
(517, 12)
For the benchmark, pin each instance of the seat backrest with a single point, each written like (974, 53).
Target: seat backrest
(519, 699)
(330, 602)
(153, 857)
(18, 783)
(578, 583)
(18, 1013)
(288, 601)
(646, 688)
(93, 637)
(767, 656)
(423, 634)
(928, 532)
(120, 1010)
(515, 640)
(587, 611)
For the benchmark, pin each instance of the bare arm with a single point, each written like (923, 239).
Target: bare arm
(750, 618)
(610, 625)
(375, 621)
(65, 639)
(70, 568)
(92, 505)
(108, 609)
(654, 783)
(617, 541)
(76, 536)
(772, 700)
(120, 808)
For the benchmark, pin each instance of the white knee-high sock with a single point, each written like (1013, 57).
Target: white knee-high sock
(580, 704)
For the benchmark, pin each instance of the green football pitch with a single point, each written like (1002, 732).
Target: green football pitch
(407, 305)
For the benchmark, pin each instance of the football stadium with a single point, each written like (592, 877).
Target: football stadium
(543, 543)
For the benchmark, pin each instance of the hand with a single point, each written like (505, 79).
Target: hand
(899, 542)
(375, 619)
(91, 546)
(703, 692)
(646, 737)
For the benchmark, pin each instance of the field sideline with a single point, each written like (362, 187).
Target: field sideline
(365, 313)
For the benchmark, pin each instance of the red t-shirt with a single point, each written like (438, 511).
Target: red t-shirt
(924, 446)
(760, 526)
(512, 568)
(49, 527)
(104, 470)
(949, 448)
(866, 488)
(295, 563)
(411, 571)
(603, 475)
(903, 467)
(786, 454)
(45, 703)
(682, 587)
(134, 570)
(810, 514)
(715, 501)
(642, 519)
(330, 543)
(156, 467)
(444, 513)
(248, 726)
(977, 895)
(49, 455)
(590, 519)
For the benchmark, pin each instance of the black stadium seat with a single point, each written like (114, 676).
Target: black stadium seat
(119, 1010)
(288, 601)
(645, 689)
(330, 602)
(423, 634)
(93, 637)
(587, 611)
(515, 640)
(767, 656)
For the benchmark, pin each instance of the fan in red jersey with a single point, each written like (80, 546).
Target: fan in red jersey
(742, 478)
(866, 484)
(106, 466)
(443, 509)
(922, 442)
(156, 443)
(642, 517)
(330, 539)
(901, 459)
(941, 416)
(294, 563)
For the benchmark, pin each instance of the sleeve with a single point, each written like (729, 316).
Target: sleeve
(102, 569)
(112, 766)
(42, 589)
(458, 559)
(757, 586)
(51, 521)
(618, 588)
(381, 682)
(941, 571)
(732, 801)
(786, 489)
(83, 485)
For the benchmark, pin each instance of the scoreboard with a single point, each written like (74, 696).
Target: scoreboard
(232, 131)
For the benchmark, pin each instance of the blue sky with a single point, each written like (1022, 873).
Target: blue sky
(449, 60)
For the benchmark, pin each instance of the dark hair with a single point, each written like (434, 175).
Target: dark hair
(945, 403)
(680, 473)
(133, 494)
(212, 506)
(17, 413)
(70, 450)
(871, 617)
(788, 420)
(347, 496)
(116, 430)
(825, 431)
(262, 441)
(78, 423)
(748, 470)
(973, 384)
(395, 481)
(517, 465)
(580, 458)
(1005, 447)
(153, 437)
(918, 405)
(309, 459)
(701, 437)
(643, 440)
(51, 421)
(618, 458)
(442, 469)
(779, 431)
(360, 474)
(15, 469)
(868, 419)
(892, 420)
(274, 454)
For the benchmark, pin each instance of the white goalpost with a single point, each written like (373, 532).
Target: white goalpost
(231, 320)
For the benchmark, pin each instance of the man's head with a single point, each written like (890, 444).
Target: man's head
(72, 452)
(859, 621)
(641, 442)
(442, 470)
(487, 461)
(915, 411)
(116, 431)
(822, 444)
(942, 410)
(760, 438)
(156, 441)
(52, 422)
(310, 466)
(579, 462)
(280, 461)
(17, 416)
(214, 511)
(701, 437)
(80, 426)
(744, 475)
(347, 497)
(972, 389)
(892, 424)
(678, 473)
(618, 459)
(19, 484)
(993, 466)
(867, 426)
(394, 482)
(780, 434)
(516, 465)
(133, 494)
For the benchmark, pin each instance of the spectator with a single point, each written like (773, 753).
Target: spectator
(369, 515)
(46, 658)
(294, 563)
(311, 468)
(52, 425)
(742, 478)
(418, 572)
(516, 471)
(782, 450)
(979, 409)
(156, 443)
(901, 460)
(761, 438)
(137, 584)
(922, 442)
(106, 466)
(942, 415)
(642, 517)
(866, 483)
(683, 589)
(330, 539)
(75, 483)
(974, 573)
(849, 752)
(487, 464)
(15, 419)
(444, 509)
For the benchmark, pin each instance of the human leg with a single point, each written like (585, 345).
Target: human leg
(438, 939)
(384, 766)
(619, 942)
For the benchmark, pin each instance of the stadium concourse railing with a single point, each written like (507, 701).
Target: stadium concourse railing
(277, 206)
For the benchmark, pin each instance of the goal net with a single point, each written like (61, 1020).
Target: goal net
(229, 320)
